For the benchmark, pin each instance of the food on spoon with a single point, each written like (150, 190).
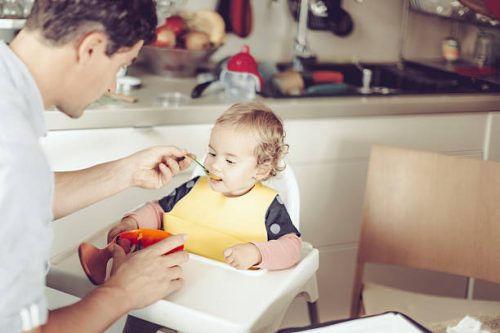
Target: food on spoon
(196, 40)
(164, 37)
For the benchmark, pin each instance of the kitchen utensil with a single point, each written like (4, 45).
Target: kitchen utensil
(325, 15)
(339, 20)
(316, 16)
(291, 82)
(241, 17)
(214, 177)
(476, 5)
(237, 16)
(94, 260)
(327, 89)
(121, 97)
(471, 11)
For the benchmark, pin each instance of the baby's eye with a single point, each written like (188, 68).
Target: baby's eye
(211, 154)
(230, 162)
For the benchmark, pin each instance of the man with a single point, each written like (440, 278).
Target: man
(68, 55)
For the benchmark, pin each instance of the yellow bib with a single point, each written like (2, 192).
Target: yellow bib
(214, 222)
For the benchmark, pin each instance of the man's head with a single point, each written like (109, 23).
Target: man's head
(85, 43)
(125, 22)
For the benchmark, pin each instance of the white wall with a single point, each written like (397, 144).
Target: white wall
(375, 36)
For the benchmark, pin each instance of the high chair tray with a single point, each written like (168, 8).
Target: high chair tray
(387, 322)
(215, 298)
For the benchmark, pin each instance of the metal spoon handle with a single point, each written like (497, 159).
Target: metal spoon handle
(199, 163)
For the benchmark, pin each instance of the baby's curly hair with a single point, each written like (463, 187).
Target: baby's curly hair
(267, 126)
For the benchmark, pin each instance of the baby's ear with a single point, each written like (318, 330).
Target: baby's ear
(263, 172)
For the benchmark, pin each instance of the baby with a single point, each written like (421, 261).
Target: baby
(230, 215)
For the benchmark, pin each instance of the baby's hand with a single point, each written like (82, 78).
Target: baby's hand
(243, 256)
(125, 224)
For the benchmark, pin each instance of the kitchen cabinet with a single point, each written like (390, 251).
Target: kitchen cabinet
(330, 157)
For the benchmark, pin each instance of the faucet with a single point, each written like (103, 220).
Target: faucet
(301, 51)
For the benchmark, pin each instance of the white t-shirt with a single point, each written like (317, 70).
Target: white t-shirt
(26, 194)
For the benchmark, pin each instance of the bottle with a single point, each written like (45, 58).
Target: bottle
(450, 48)
(241, 78)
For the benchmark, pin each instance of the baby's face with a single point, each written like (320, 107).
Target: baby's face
(231, 157)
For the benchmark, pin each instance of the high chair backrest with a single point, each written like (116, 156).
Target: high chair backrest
(287, 187)
(430, 211)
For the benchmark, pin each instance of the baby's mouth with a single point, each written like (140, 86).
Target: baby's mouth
(213, 177)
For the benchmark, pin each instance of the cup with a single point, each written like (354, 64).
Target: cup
(238, 86)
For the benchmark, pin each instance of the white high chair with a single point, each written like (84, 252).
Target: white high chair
(285, 183)
(217, 298)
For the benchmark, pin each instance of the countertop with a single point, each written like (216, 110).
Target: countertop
(149, 111)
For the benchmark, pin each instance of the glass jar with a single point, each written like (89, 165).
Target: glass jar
(450, 49)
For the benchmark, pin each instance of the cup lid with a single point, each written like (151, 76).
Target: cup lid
(244, 62)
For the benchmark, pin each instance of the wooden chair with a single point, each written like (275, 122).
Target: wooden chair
(433, 212)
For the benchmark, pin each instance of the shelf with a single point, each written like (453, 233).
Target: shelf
(453, 11)
(12, 23)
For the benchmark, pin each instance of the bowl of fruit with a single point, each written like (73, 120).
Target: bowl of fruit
(183, 42)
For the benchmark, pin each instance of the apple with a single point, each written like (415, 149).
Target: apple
(164, 37)
(197, 40)
(175, 23)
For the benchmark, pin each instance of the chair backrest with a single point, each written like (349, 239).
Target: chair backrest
(430, 211)
(286, 185)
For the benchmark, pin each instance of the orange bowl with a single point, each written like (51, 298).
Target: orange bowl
(143, 238)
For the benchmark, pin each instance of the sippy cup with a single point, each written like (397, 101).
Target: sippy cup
(241, 78)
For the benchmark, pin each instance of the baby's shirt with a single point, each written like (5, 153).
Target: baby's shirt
(282, 249)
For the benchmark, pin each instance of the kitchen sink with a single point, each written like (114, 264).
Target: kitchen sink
(386, 79)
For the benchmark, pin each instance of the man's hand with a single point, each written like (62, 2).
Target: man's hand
(243, 256)
(148, 275)
(154, 167)
(125, 224)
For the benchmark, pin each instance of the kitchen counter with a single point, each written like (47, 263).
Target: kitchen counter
(148, 111)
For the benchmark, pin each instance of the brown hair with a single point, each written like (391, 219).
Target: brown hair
(125, 22)
(266, 125)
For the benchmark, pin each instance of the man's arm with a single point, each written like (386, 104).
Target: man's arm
(149, 168)
(136, 281)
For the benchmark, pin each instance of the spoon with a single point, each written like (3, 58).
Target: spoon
(94, 260)
(204, 168)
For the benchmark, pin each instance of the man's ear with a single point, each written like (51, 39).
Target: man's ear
(92, 44)
(263, 171)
